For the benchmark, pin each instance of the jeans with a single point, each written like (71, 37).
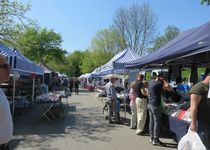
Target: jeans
(113, 110)
(76, 90)
(154, 120)
(204, 133)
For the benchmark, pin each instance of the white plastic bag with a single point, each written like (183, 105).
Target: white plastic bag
(191, 141)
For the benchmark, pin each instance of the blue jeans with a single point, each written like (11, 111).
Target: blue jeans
(204, 133)
(113, 110)
(155, 114)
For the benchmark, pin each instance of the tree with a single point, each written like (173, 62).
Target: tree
(74, 61)
(135, 26)
(205, 1)
(59, 66)
(88, 62)
(41, 45)
(103, 48)
(12, 13)
(105, 40)
(170, 33)
(94, 59)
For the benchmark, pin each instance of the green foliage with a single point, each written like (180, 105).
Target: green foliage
(74, 61)
(186, 73)
(41, 45)
(12, 13)
(94, 59)
(105, 40)
(205, 1)
(148, 76)
(60, 66)
(170, 33)
(87, 63)
(103, 48)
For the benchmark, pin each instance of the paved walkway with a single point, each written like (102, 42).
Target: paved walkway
(81, 127)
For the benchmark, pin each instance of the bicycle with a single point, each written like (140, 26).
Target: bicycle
(109, 115)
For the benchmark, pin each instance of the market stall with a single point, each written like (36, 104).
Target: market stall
(116, 66)
(190, 49)
(20, 66)
(47, 102)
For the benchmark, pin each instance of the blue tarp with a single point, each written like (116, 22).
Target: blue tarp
(188, 43)
(18, 62)
(116, 64)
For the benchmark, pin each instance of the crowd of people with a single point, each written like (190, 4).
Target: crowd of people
(147, 97)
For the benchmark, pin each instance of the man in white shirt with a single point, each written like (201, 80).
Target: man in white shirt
(6, 124)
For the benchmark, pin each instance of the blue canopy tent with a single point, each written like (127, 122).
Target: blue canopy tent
(181, 49)
(116, 64)
(19, 64)
(96, 72)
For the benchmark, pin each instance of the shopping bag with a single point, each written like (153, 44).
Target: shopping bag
(191, 141)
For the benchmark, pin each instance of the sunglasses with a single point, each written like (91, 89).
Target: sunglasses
(4, 66)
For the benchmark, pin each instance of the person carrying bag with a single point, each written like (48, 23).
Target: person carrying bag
(191, 141)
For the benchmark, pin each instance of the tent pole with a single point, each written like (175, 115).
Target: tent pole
(13, 97)
(33, 89)
(43, 79)
(124, 96)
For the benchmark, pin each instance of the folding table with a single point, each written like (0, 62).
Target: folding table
(44, 105)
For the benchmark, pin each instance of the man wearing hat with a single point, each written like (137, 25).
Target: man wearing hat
(200, 110)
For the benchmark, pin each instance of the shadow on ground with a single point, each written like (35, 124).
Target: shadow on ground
(83, 125)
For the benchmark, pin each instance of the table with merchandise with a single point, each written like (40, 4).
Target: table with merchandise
(45, 103)
(177, 117)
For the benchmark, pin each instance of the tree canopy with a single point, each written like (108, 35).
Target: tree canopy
(135, 26)
(41, 45)
(74, 63)
(205, 1)
(169, 33)
(12, 20)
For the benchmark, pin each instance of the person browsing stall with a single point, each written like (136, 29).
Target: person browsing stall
(200, 110)
(132, 96)
(141, 104)
(6, 124)
(112, 98)
(155, 88)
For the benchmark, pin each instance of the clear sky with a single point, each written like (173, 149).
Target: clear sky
(79, 20)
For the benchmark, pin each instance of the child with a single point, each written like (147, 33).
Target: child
(132, 96)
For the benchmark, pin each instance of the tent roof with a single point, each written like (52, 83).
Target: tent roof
(118, 61)
(46, 68)
(188, 43)
(18, 62)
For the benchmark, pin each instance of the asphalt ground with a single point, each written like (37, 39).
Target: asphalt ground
(80, 126)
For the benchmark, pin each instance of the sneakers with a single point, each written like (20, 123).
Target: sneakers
(139, 132)
(151, 140)
(157, 142)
